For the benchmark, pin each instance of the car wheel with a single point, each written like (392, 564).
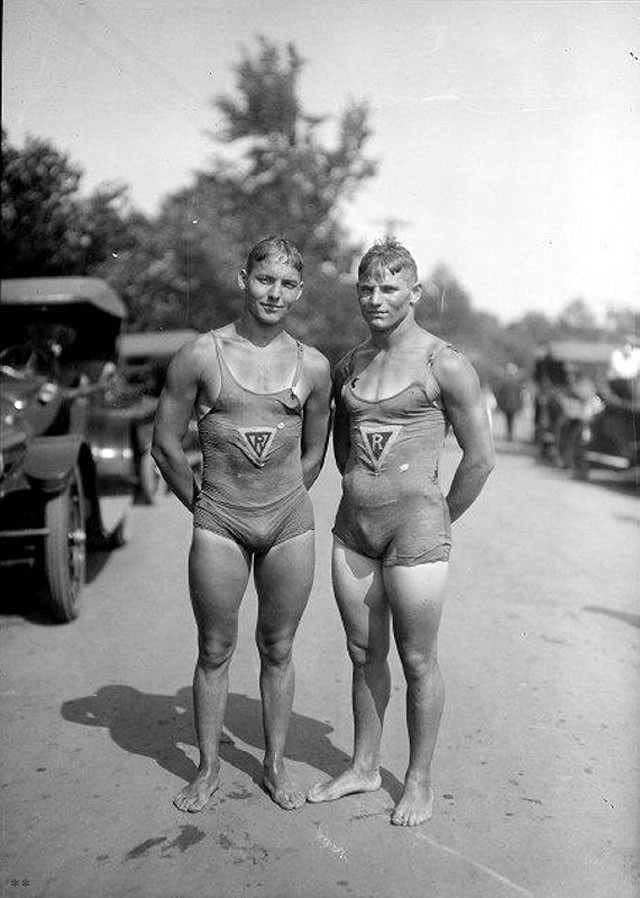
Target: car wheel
(65, 550)
(577, 461)
(148, 479)
(563, 444)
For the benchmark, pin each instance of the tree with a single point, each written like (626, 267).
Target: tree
(270, 174)
(577, 320)
(533, 327)
(40, 222)
(47, 227)
(276, 174)
(180, 269)
(446, 307)
(622, 321)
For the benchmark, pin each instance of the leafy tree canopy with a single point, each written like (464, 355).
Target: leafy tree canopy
(271, 173)
(275, 171)
(47, 227)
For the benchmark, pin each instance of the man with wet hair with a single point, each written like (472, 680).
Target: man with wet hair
(396, 396)
(261, 399)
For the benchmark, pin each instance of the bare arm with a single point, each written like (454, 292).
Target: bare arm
(316, 419)
(174, 411)
(467, 413)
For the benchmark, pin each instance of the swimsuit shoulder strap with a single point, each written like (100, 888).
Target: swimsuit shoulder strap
(433, 355)
(216, 345)
(219, 356)
(298, 371)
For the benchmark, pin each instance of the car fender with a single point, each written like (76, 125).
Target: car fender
(49, 461)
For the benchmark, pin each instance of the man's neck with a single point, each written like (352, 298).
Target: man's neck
(395, 337)
(260, 335)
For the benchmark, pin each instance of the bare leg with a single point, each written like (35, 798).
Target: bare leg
(359, 591)
(416, 595)
(283, 581)
(218, 575)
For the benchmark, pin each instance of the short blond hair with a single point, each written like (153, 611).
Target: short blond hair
(275, 246)
(390, 255)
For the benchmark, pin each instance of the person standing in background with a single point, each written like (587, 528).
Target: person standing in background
(509, 397)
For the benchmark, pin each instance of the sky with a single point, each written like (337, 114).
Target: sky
(507, 133)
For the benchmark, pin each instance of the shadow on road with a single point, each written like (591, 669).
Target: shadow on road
(628, 519)
(615, 482)
(155, 725)
(628, 617)
(603, 478)
(96, 560)
(516, 447)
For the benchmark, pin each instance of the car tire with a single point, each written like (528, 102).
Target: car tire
(148, 479)
(564, 436)
(65, 550)
(577, 461)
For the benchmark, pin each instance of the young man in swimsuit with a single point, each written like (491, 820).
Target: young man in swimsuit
(262, 404)
(396, 395)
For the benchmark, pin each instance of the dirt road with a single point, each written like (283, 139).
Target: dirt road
(536, 767)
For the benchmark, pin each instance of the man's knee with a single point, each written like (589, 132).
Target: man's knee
(214, 651)
(418, 663)
(275, 648)
(362, 654)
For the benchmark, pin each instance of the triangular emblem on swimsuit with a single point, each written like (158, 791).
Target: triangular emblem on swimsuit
(256, 443)
(377, 441)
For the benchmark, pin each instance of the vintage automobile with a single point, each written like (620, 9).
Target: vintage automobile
(580, 423)
(145, 359)
(146, 356)
(609, 438)
(70, 424)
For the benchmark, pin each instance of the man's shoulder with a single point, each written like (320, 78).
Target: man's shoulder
(193, 354)
(315, 363)
(452, 369)
(199, 347)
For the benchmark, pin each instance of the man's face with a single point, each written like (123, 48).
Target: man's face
(271, 288)
(385, 298)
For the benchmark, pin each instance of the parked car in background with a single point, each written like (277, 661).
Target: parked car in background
(580, 423)
(145, 359)
(609, 437)
(146, 356)
(70, 423)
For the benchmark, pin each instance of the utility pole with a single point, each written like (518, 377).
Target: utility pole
(391, 224)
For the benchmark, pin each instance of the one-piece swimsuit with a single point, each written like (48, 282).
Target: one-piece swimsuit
(392, 506)
(252, 488)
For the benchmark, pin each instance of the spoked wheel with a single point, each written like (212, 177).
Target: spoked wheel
(65, 550)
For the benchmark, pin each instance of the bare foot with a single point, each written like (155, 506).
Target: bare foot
(196, 795)
(285, 794)
(415, 805)
(348, 783)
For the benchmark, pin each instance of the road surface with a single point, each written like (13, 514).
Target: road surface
(536, 770)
